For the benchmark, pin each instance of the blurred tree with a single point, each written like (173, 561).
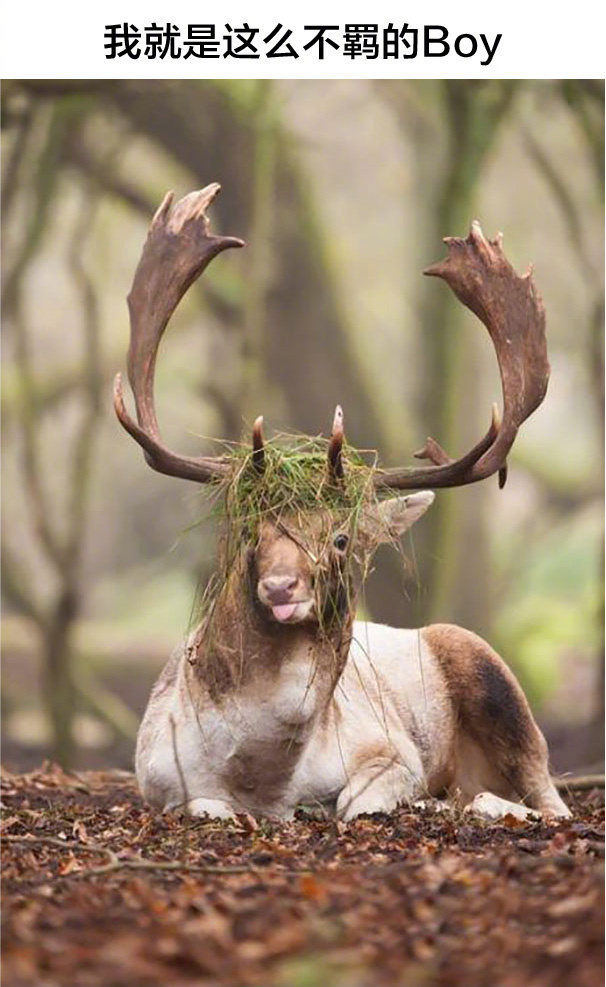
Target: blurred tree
(585, 100)
(585, 97)
(60, 540)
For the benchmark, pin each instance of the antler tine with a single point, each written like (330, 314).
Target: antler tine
(431, 450)
(335, 446)
(258, 444)
(178, 249)
(478, 272)
(199, 468)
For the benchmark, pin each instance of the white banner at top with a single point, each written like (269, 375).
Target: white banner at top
(378, 39)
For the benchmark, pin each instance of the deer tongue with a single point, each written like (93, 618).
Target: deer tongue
(284, 611)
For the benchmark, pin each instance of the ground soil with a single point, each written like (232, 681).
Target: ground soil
(100, 890)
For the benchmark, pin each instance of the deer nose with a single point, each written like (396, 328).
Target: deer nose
(279, 589)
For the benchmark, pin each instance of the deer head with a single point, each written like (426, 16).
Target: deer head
(299, 560)
(304, 566)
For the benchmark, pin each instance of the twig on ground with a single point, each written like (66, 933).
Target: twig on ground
(129, 863)
(582, 783)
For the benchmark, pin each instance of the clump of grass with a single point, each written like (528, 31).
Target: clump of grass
(295, 480)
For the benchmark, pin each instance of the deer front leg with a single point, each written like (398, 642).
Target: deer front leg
(215, 808)
(381, 781)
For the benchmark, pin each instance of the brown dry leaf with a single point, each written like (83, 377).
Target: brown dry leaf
(79, 832)
(281, 940)
(573, 905)
(213, 926)
(563, 946)
(423, 910)
(70, 866)
(561, 841)
(423, 949)
(36, 818)
(512, 822)
(25, 962)
(247, 823)
(467, 877)
(167, 946)
(312, 888)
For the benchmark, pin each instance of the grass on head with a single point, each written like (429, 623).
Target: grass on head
(295, 480)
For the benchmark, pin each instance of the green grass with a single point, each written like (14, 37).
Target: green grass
(295, 479)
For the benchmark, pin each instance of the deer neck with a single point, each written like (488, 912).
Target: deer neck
(238, 653)
(265, 687)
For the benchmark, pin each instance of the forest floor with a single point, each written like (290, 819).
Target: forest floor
(99, 890)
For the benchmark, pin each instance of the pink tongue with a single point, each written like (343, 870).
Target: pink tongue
(284, 611)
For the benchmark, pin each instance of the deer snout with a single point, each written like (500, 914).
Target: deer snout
(278, 588)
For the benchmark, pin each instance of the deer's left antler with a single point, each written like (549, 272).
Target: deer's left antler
(511, 308)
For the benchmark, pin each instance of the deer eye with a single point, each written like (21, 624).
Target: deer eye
(341, 542)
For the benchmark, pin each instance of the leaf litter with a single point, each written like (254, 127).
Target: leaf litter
(98, 889)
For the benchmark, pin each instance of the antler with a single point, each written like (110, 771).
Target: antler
(177, 250)
(258, 444)
(512, 310)
(335, 446)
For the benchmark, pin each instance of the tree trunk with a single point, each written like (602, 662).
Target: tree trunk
(60, 693)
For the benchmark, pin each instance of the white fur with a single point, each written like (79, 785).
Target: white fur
(386, 736)
(491, 807)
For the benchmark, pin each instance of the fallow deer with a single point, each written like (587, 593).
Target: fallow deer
(280, 696)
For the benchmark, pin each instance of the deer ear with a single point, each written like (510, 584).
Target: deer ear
(389, 519)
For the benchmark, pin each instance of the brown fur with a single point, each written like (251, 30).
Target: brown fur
(281, 549)
(237, 641)
(377, 754)
(491, 709)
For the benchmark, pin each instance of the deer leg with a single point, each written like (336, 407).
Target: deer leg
(380, 783)
(489, 772)
(520, 770)
(500, 748)
(215, 808)
(536, 786)
(489, 776)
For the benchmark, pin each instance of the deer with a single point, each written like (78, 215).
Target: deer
(281, 697)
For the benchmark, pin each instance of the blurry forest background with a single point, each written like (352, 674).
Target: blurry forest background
(343, 191)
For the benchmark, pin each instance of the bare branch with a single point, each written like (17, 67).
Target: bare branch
(580, 783)
(92, 379)
(17, 587)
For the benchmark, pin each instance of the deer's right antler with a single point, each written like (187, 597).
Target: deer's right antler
(177, 250)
